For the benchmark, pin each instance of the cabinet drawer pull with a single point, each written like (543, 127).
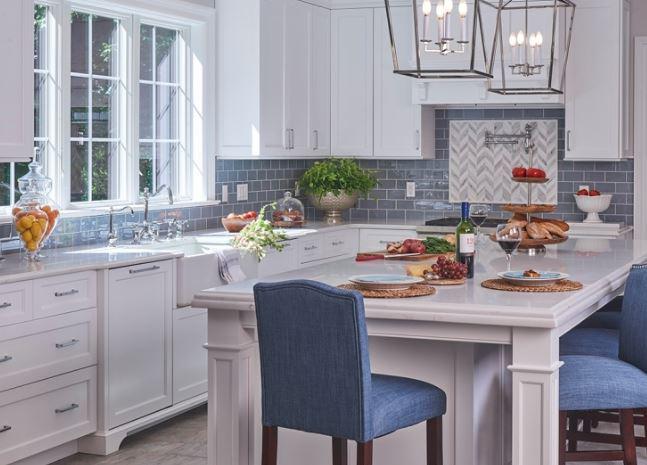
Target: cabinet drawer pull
(316, 137)
(5, 305)
(568, 141)
(71, 342)
(144, 270)
(5, 358)
(66, 409)
(66, 293)
(312, 247)
(5, 428)
(337, 243)
(417, 139)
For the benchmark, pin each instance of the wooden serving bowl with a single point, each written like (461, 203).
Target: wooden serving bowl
(234, 225)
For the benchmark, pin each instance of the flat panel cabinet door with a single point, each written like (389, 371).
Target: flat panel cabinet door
(397, 119)
(189, 355)
(17, 83)
(319, 130)
(138, 355)
(593, 86)
(297, 27)
(274, 139)
(352, 82)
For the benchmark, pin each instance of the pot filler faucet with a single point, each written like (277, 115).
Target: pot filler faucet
(492, 138)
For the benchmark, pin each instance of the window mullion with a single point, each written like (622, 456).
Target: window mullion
(155, 122)
(90, 108)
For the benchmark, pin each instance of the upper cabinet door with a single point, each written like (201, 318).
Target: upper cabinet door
(596, 119)
(397, 119)
(319, 92)
(17, 82)
(352, 82)
(297, 57)
(275, 139)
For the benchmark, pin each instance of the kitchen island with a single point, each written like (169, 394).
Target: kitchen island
(496, 354)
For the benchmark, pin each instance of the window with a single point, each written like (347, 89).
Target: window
(11, 172)
(159, 108)
(94, 108)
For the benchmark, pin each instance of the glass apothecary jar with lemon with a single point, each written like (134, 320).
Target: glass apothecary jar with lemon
(35, 214)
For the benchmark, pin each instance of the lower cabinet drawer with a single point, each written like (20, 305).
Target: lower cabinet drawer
(278, 262)
(376, 240)
(337, 244)
(16, 302)
(311, 248)
(65, 293)
(48, 347)
(46, 414)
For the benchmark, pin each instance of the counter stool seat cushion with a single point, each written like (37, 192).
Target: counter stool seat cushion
(603, 319)
(600, 383)
(402, 402)
(591, 341)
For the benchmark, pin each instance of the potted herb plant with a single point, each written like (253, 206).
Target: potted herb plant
(333, 185)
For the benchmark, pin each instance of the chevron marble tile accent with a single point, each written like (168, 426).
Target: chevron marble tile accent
(481, 174)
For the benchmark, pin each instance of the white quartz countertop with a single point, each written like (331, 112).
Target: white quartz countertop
(601, 265)
(74, 259)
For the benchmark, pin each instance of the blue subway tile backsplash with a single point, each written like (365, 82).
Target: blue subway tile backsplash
(268, 179)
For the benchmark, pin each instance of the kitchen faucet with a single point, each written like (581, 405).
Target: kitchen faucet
(112, 234)
(146, 233)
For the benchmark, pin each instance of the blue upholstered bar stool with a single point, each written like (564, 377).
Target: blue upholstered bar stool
(316, 375)
(594, 383)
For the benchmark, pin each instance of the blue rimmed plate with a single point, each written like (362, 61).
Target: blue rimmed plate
(545, 278)
(385, 282)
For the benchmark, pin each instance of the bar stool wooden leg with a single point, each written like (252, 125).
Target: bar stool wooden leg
(644, 412)
(270, 445)
(365, 453)
(562, 437)
(573, 423)
(435, 441)
(628, 437)
(339, 451)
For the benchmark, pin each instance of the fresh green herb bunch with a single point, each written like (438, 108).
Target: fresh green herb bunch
(258, 235)
(436, 245)
(337, 175)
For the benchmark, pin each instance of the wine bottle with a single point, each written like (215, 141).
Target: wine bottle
(466, 240)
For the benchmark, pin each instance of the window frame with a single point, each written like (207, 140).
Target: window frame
(197, 173)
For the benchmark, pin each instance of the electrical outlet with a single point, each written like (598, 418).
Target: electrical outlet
(411, 190)
(225, 193)
(241, 192)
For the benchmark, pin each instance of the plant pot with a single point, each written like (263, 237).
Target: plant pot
(333, 205)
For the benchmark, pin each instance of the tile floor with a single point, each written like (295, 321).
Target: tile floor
(183, 441)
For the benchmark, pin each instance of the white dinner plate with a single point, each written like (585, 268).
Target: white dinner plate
(546, 278)
(385, 282)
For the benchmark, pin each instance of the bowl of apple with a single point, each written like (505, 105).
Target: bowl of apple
(592, 202)
(235, 223)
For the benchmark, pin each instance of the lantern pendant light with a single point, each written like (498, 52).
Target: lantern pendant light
(521, 54)
(439, 29)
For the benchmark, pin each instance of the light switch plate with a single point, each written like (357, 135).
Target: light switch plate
(225, 193)
(241, 192)
(411, 190)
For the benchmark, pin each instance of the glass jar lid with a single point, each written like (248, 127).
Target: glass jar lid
(35, 181)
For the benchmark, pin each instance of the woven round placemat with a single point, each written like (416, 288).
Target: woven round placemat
(417, 290)
(562, 286)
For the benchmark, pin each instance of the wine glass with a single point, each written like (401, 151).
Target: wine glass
(478, 215)
(509, 238)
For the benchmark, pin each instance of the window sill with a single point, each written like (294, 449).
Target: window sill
(138, 207)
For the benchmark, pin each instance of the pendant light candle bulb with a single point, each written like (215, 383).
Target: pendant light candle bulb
(440, 14)
(462, 9)
(449, 6)
(513, 40)
(521, 38)
(462, 12)
(540, 39)
(426, 7)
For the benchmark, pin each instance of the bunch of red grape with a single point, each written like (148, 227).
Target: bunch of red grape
(447, 268)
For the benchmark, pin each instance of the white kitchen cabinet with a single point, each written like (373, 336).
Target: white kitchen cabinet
(319, 81)
(46, 414)
(273, 79)
(137, 336)
(189, 355)
(398, 122)
(352, 82)
(597, 85)
(17, 86)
